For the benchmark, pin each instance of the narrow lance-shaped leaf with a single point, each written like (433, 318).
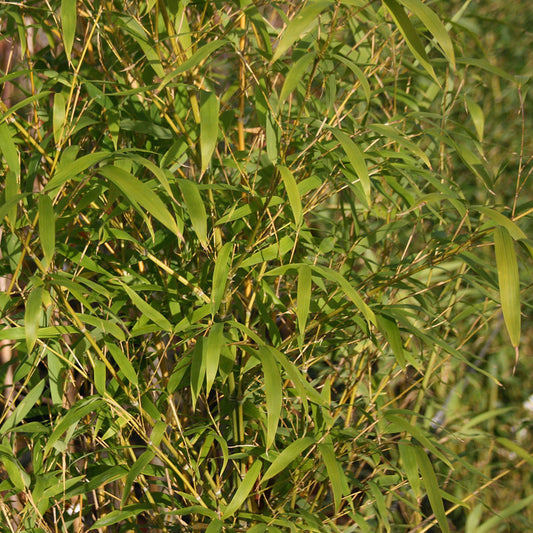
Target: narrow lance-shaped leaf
(68, 24)
(432, 487)
(357, 160)
(47, 228)
(294, 76)
(9, 149)
(273, 393)
(410, 35)
(335, 474)
(303, 297)
(123, 363)
(209, 107)
(509, 282)
(287, 456)
(195, 208)
(300, 24)
(434, 25)
(58, 121)
(215, 341)
(244, 490)
(141, 194)
(32, 316)
(292, 192)
(220, 276)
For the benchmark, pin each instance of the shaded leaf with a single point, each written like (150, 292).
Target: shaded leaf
(287, 456)
(195, 208)
(215, 342)
(244, 490)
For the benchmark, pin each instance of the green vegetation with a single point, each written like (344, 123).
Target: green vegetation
(265, 267)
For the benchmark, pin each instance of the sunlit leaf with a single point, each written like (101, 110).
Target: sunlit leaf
(209, 107)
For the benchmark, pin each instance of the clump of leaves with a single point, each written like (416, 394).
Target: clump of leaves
(257, 273)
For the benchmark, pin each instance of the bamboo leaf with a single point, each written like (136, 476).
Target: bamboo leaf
(23, 408)
(273, 392)
(269, 253)
(198, 368)
(432, 488)
(139, 193)
(195, 208)
(357, 160)
(333, 468)
(434, 25)
(134, 473)
(303, 297)
(392, 333)
(47, 228)
(294, 76)
(306, 19)
(58, 121)
(215, 342)
(287, 456)
(68, 25)
(410, 35)
(32, 316)
(145, 308)
(513, 447)
(244, 490)
(509, 282)
(209, 108)
(220, 276)
(9, 149)
(292, 192)
(478, 118)
(123, 363)
(410, 465)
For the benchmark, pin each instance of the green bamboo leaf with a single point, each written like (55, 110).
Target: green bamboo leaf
(410, 465)
(335, 474)
(357, 160)
(287, 456)
(58, 122)
(294, 76)
(68, 24)
(72, 418)
(123, 363)
(292, 192)
(358, 72)
(215, 526)
(32, 316)
(478, 118)
(198, 368)
(380, 503)
(209, 108)
(345, 285)
(215, 342)
(56, 367)
(269, 253)
(195, 208)
(434, 25)
(272, 138)
(220, 276)
(47, 228)
(114, 517)
(9, 149)
(432, 488)
(15, 472)
(139, 193)
(145, 308)
(389, 327)
(389, 132)
(513, 447)
(100, 378)
(138, 468)
(509, 282)
(400, 424)
(306, 19)
(68, 170)
(202, 53)
(12, 196)
(303, 297)
(273, 393)
(501, 220)
(244, 490)
(23, 408)
(410, 35)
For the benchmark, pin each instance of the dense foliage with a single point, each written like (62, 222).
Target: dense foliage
(265, 267)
